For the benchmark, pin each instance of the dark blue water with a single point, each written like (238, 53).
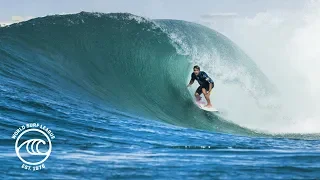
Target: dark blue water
(111, 87)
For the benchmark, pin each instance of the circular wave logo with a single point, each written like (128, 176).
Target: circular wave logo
(33, 145)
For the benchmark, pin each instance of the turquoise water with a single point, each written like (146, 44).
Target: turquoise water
(112, 88)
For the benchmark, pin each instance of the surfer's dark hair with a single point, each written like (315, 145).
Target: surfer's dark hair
(196, 67)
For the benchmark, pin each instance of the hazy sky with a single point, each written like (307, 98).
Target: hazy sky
(163, 9)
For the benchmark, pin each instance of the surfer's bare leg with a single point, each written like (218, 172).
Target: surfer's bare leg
(207, 96)
(198, 98)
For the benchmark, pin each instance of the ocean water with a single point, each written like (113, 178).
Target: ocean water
(111, 88)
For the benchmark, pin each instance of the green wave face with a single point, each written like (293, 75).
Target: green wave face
(134, 65)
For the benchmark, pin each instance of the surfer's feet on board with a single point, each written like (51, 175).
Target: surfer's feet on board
(208, 106)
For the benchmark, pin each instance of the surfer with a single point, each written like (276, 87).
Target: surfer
(205, 82)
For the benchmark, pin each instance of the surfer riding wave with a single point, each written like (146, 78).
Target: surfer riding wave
(205, 82)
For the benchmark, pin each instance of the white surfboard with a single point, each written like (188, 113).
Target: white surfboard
(202, 104)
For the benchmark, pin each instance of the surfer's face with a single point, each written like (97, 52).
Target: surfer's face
(196, 71)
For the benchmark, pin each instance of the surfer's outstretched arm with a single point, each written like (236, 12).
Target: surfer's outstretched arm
(190, 83)
(193, 77)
